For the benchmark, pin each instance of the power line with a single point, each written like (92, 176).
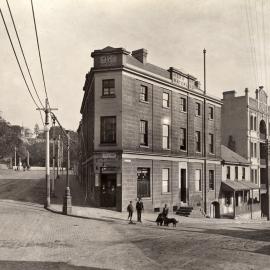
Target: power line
(18, 62)
(253, 57)
(18, 38)
(40, 60)
(264, 48)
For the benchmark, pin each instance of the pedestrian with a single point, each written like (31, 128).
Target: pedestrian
(139, 208)
(165, 211)
(130, 211)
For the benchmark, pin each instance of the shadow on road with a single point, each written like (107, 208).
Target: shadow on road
(30, 265)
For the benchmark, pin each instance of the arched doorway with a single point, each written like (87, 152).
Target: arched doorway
(262, 130)
(215, 210)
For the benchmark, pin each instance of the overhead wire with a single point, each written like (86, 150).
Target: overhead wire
(18, 62)
(264, 48)
(39, 53)
(19, 41)
(250, 46)
(260, 75)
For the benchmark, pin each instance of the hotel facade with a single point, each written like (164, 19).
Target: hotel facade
(143, 133)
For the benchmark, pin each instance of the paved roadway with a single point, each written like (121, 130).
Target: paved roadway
(33, 238)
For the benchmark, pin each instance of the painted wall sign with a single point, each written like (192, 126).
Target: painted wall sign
(180, 80)
(108, 60)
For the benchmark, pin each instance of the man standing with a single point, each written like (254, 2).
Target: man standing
(130, 211)
(139, 208)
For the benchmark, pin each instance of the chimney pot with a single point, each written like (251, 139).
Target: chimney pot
(140, 55)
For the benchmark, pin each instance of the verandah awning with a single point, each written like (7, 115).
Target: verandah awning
(238, 185)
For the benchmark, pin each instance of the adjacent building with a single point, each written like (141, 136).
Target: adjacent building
(143, 133)
(245, 130)
(239, 197)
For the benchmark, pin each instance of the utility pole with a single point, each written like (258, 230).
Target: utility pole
(67, 208)
(28, 163)
(47, 111)
(53, 180)
(204, 131)
(62, 155)
(58, 156)
(15, 158)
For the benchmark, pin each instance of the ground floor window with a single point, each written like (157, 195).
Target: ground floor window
(165, 181)
(143, 182)
(198, 180)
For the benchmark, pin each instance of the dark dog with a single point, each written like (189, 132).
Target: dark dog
(160, 219)
(167, 221)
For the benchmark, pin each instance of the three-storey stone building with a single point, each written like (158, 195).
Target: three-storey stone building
(245, 130)
(142, 135)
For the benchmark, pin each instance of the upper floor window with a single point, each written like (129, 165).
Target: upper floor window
(165, 180)
(183, 139)
(211, 113)
(198, 141)
(228, 172)
(197, 109)
(108, 87)
(165, 137)
(165, 100)
(144, 93)
(211, 143)
(143, 132)
(255, 123)
(183, 104)
(243, 173)
(108, 129)
(251, 122)
(236, 172)
(211, 180)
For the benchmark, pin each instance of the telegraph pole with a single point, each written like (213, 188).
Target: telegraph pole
(58, 156)
(15, 158)
(204, 131)
(53, 180)
(67, 208)
(47, 111)
(28, 163)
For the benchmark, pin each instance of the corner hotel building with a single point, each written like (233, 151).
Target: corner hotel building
(142, 135)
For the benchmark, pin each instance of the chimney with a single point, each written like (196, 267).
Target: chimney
(140, 55)
(229, 94)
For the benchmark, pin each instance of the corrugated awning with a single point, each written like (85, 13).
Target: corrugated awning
(238, 185)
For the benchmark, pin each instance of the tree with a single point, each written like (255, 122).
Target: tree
(36, 130)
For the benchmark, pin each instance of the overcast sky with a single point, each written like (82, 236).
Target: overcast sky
(173, 31)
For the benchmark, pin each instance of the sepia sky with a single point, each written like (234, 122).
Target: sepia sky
(174, 32)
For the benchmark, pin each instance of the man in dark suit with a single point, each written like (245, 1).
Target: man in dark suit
(139, 208)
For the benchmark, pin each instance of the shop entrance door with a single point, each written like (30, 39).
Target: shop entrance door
(108, 190)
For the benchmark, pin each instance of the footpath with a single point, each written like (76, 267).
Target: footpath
(82, 209)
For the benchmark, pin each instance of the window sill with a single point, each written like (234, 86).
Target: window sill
(144, 101)
(199, 115)
(166, 107)
(182, 150)
(211, 119)
(212, 154)
(166, 193)
(166, 149)
(108, 96)
(144, 146)
(198, 152)
(107, 144)
(183, 112)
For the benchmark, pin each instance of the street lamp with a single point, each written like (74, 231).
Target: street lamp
(67, 207)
